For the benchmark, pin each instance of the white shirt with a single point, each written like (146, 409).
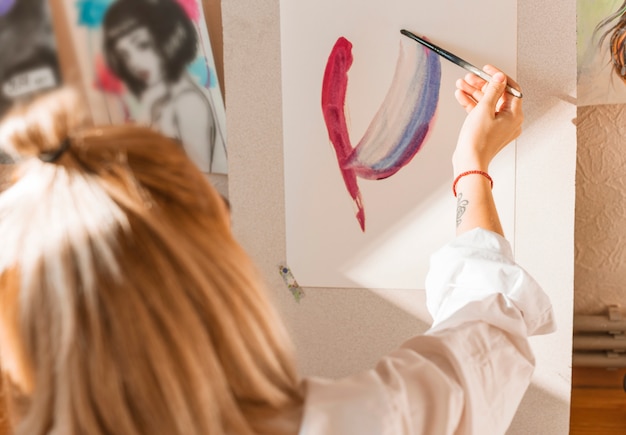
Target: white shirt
(467, 374)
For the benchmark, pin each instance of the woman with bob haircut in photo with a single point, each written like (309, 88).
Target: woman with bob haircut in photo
(149, 44)
(128, 308)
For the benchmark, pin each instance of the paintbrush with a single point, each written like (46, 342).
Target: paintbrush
(458, 61)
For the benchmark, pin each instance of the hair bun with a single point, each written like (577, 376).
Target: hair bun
(43, 125)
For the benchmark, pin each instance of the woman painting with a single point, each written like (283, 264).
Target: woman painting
(128, 307)
(149, 44)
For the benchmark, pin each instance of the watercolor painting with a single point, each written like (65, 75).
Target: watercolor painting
(398, 129)
(369, 126)
(28, 53)
(601, 32)
(150, 61)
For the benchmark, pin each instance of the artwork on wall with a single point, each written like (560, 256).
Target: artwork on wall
(370, 122)
(601, 27)
(28, 54)
(150, 61)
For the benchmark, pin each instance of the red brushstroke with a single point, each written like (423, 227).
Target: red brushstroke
(334, 89)
(105, 80)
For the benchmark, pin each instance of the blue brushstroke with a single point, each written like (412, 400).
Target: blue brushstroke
(212, 78)
(400, 146)
(91, 12)
(419, 123)
(204, 75)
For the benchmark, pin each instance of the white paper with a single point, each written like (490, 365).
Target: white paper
(412, 213)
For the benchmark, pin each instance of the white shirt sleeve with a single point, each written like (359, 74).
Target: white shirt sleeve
(465, 375)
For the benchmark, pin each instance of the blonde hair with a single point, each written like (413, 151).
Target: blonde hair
(127, 306)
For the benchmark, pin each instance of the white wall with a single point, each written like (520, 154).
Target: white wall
(338, 332)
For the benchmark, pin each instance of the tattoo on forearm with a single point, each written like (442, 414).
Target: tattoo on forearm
(461, 206)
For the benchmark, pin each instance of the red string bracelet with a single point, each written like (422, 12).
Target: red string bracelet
(463, 174)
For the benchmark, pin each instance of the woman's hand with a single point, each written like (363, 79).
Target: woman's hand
(494, 119)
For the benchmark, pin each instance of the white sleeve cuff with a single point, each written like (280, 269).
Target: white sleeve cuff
(476, 267)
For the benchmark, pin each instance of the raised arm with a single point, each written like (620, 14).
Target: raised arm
(494, 119)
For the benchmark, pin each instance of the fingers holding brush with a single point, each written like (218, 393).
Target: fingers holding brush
(467, 95)
(494, 119)
(471, 90)
(507, 102)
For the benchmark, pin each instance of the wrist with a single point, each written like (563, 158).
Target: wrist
(462, 175)
(459, 169)
(464, 163)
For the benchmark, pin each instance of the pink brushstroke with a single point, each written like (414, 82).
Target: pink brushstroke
(334, 89)
(191, 9)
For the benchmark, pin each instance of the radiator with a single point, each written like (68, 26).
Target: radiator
(600, 341)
